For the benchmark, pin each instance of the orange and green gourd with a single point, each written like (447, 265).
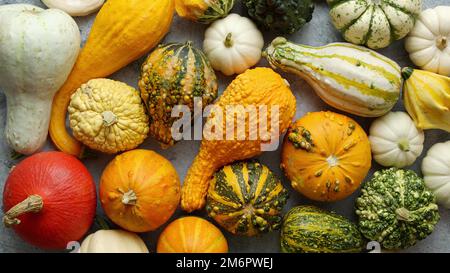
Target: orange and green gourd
(175, 74)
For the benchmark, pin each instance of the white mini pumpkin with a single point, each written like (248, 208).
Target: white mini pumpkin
(395, 140)
(113, 241)
(233, 44)
(428, 44)
(75, 7)
(436, 172)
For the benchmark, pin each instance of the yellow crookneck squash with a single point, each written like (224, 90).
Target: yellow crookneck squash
(326, 156)
(256, 87)
(122, 32)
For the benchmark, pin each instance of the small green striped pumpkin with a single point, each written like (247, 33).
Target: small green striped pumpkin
(246, 198)
(375, 24)
(174, 74)
(351, 78)
(308, 229)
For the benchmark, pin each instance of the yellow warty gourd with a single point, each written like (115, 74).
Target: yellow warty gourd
(108, 116)
(427, 98)
(256, 87)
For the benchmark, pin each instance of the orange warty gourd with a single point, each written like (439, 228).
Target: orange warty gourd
(139, 190)
(191, 235)
(256, 87)
(326, 156)
(122, 32)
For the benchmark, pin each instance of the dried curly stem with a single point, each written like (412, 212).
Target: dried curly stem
(32, 203)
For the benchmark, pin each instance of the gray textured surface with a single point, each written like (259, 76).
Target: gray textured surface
(318, 32)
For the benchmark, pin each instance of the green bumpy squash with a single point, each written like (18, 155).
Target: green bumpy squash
(281, 16)
(396, 209)
(308, 229)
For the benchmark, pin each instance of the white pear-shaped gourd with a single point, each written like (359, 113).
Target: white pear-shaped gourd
(75, 7)
(233, 44)
(113, 241)
(436, 172)
(38, 49)
(395, 140)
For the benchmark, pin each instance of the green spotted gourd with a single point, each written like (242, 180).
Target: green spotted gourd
(308, 229)
(246, 198)
(374, 23)
(174, 74)
(396, 209)
(351, 78)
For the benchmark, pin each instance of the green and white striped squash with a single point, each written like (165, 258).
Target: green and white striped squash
(308, 229)
(246, 198)
(174, 74)
(374, 23)
(348, 77)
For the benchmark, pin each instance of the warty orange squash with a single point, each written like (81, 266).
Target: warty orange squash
(326, 156)
(139, 190)
(191, 235)
(122, 32)
(256, 87)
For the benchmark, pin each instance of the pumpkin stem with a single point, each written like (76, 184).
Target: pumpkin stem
(403, 214)
(129, 198)
(32, 203)
(441, 42)
(109, 118)
(407, 72)
(404, 145)
(228, 40)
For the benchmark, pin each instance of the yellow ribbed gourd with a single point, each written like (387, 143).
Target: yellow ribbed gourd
(427, 98)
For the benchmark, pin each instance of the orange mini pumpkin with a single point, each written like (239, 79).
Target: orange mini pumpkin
(139, 190)
(326, 156)
(191, 235)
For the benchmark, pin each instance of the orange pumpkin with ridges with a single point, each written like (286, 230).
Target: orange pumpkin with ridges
(191, 235)
(326, 156)
(139, 190)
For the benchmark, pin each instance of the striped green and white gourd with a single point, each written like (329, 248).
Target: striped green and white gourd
(374, 23)
(246, 198)
(348, 77)
(308, 229)
(174, 74)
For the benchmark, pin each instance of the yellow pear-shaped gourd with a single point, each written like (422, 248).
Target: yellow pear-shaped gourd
(427, 98)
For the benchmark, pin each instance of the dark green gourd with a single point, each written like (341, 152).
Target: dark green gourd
(396, 209)
(308, 229)
(281, 16)
(246, 198)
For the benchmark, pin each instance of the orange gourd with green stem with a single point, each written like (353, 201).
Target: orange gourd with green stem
(122, 32)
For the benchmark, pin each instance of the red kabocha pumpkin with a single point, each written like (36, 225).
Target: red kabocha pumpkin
(49, 199)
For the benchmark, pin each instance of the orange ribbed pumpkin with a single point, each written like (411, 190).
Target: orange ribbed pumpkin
(326, 156)
(139, 190)
(191, 235)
